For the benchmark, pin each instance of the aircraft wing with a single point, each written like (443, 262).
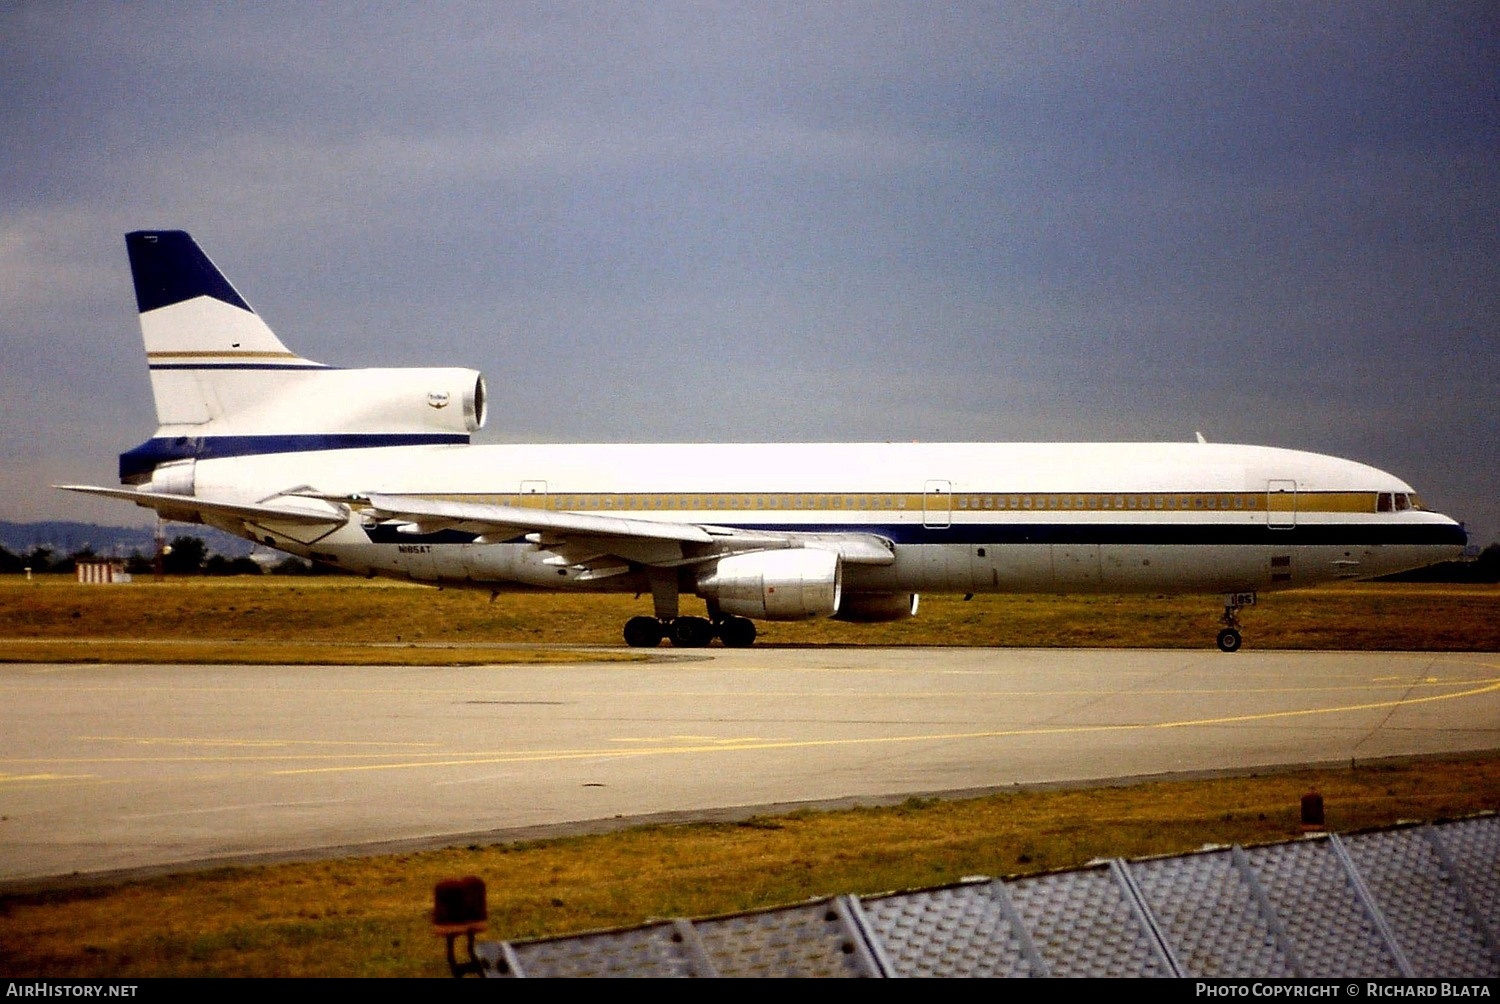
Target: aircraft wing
(579, 538)
(299, 510)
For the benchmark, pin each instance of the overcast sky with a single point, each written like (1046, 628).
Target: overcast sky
(1275, 224)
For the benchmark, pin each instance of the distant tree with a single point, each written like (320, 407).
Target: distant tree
(10, 563)
(185, 557)
(138, 564)
(38, 559)
(1485, 568)
(217, 564)
(292, 565)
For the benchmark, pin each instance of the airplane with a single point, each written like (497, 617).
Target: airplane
(374, 472)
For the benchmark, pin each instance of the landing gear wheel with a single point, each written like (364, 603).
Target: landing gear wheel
(644, 632)
(692, 632)
(737, 632)
(1229, 638)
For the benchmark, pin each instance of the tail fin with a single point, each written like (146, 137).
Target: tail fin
(196, 326)
(225, 385)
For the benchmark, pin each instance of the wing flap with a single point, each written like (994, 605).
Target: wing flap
(484, 519)
(583, 539)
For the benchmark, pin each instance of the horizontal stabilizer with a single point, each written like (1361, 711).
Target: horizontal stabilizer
(188, 509)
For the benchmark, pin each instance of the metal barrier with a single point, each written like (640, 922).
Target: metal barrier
(1421, 901)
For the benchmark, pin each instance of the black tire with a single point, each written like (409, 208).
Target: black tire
(1229, 640)
(691, 632)
(644, 632)
(737, 632)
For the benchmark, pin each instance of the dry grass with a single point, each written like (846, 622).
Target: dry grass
(368, 916)
(257, 617)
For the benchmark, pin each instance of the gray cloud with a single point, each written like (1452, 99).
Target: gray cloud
(692, 221)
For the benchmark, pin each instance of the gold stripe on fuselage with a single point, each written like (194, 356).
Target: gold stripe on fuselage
(957, 503)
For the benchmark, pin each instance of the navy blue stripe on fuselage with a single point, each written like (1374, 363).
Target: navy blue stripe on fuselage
(1077, 534)
(137, 463)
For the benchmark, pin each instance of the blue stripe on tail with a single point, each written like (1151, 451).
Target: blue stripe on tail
(169, 267)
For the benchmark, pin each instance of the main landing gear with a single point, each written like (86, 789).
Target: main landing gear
(689, 632)
(1229, 637)
(684, 632)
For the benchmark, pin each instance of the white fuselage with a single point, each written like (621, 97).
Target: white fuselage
(967, 518)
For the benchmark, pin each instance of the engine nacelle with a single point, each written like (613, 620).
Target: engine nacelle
(446, 399)
(873, 608)
(439, 400)
(176, 478)
(791, 585)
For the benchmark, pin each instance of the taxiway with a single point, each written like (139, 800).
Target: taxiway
(117, 768)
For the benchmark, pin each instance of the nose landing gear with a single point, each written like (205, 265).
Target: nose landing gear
(1229, 638)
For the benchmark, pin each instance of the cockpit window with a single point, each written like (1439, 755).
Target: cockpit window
(1396, 502)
